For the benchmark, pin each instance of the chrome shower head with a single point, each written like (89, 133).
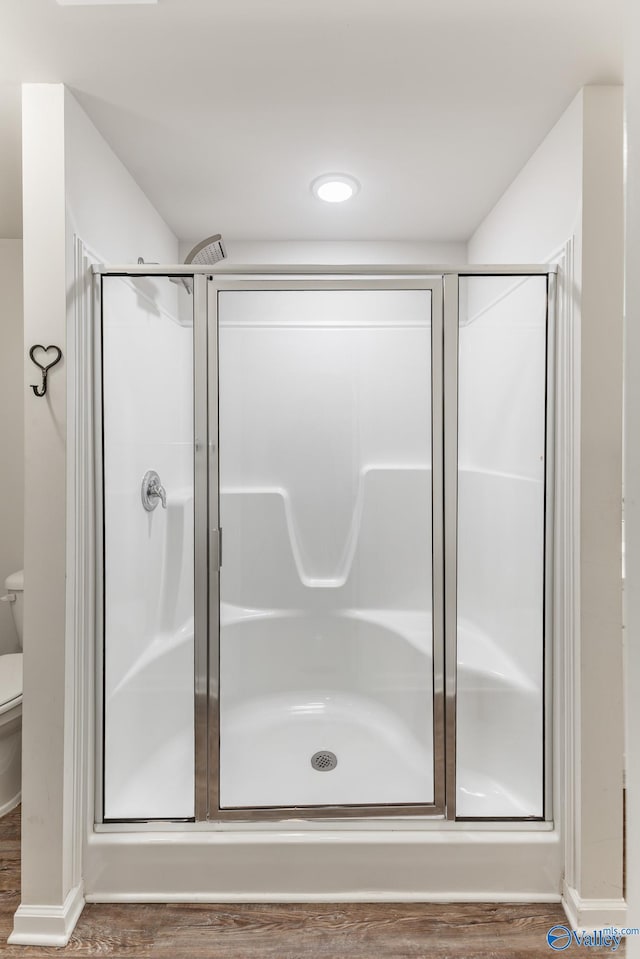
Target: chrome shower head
(207, 252)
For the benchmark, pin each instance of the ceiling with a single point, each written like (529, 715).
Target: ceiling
(225, 112)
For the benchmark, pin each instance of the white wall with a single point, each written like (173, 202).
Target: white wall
(104, 204)
(11, 428)
(571, 189)
(353, 252)
(602, 307)
(10, 160)
(45, 865)
(542, 207)
(632, 467)
(72, 181)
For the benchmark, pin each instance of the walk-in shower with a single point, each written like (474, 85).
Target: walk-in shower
(325, 534)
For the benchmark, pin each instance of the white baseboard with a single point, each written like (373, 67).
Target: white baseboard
(590, 914)
(332, 897)
(47, 925)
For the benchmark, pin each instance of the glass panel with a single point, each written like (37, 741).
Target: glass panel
(325, 494)
(148, 667)
(501, 524)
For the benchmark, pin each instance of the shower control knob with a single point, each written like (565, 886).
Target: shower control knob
(152, 490)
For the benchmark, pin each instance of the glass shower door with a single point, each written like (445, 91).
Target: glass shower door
(279, 568)
(328, 473)
(503, 535)
(148, 542)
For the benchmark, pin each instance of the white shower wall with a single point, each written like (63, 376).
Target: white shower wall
(501, 519)
(148, 425)
(323, 379)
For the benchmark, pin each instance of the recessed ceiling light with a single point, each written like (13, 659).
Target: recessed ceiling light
(335, 187)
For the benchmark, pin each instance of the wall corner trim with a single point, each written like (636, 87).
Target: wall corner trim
(47, 925)
(590, 914)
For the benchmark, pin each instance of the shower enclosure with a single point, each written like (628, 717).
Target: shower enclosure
(324, 543)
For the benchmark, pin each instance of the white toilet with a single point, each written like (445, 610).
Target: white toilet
(11, 703)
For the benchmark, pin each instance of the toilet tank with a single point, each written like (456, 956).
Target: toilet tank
(14, 586)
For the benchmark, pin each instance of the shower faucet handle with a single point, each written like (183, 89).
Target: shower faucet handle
(152, 490)
(161, 493)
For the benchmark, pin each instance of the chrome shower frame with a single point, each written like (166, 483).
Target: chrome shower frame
(443, 282)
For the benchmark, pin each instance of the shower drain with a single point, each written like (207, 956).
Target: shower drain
(324, 760)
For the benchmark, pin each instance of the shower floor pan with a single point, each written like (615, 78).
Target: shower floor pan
(267, 748)
(357, 683)
(293, 684)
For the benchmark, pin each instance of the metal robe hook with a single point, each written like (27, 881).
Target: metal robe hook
(45, 367)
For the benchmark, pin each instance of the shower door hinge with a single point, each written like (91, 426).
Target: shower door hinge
(215, 549)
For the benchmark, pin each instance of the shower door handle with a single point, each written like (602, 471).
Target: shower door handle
(215, 549)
